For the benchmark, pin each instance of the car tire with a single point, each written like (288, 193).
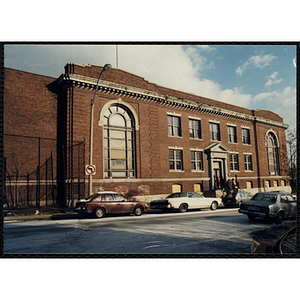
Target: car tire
(183, 207)
(279, 218)
(214, 205)
(99, 213)
(251, 218)
(138, 211)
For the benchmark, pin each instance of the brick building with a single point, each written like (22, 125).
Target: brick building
(148, 139)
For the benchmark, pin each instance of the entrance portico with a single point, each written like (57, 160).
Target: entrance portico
(217, 162)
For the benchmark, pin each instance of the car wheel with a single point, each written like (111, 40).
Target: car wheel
(138, 211)
(251, 218)
(99, 213)
(214, 205)
(183, 207)
(279, 218)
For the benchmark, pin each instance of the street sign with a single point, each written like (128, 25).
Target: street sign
(90, 170)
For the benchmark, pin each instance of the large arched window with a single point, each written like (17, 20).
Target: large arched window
(119, 140)
(272, 148)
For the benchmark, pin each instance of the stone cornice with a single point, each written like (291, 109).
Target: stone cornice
(120, 90)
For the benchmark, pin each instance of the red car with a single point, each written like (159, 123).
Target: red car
(102, 203)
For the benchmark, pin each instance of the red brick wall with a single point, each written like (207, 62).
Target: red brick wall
(30, 109)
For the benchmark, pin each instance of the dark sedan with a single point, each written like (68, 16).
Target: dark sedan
(235, 199)
(102, 203)
(274, 206)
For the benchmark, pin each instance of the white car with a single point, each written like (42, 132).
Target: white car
(186, 200)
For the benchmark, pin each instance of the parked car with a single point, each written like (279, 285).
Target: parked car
(270, 205)
(102, 203)
(285, 244)
(184, 201)
(235, 199)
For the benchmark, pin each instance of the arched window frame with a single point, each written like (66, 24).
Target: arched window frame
(109, 110)
(272, 152)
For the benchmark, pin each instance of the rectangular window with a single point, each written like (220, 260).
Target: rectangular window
(214, 129)
(174, 126)
(197, 160)
(231, 134)
(175, 159)
(246, 136)
(195, 129)
(248, 162)
(234, 162)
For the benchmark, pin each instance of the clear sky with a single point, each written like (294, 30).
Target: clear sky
(252, 76)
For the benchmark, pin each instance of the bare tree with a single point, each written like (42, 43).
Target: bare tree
(291, 141)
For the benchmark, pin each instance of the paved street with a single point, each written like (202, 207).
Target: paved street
(223, 231)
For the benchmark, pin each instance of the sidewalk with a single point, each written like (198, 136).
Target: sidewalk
(45, 213)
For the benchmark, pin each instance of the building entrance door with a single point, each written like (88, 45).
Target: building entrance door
(218, 178)
(217, 161)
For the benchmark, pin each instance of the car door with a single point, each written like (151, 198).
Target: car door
(122, 204)
(285, 206)
(109, 203)
(293, 206)
(192, 200)
(202, 202)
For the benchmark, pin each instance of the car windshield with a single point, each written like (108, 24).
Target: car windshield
(264, 197)
(177, 195)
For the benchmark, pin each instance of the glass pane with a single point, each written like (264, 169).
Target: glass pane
(172, 165)
(170, 121)
(178, 165)
(176, 121)
(193, 155)
(117, 144)
(171, 154)
(193, 165)
(199, 156)
(117, 120)
(178, 155)
(117, 134)
(176, 131)
(118, 154)
(118, 164)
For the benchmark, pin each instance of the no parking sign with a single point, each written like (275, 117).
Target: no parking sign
(90, 169)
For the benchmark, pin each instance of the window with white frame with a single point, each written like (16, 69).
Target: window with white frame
(272, 150)
(248, 162)
(174, 125)
(231, 134)
(119, 141)
(246, 136)
(214, 129)
(197, 160)
(234, 162)
(175, 159)
(195, 128)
